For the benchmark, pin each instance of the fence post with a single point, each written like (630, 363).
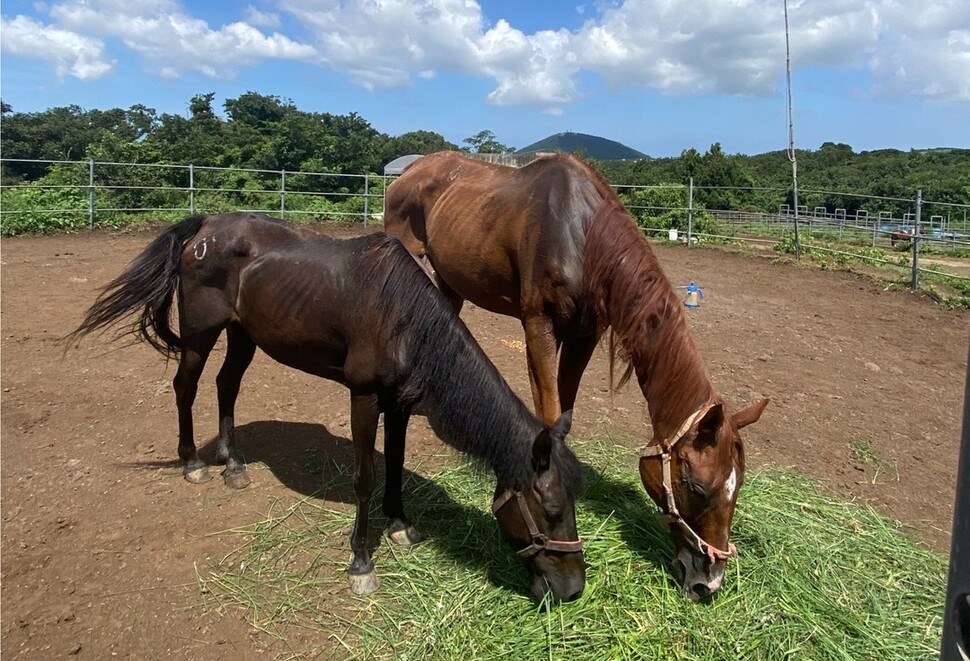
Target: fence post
(919, 206)
(690, 210)
(366, 198)
(191, 190)
(90, 193)
(282, 193)
(956, 621)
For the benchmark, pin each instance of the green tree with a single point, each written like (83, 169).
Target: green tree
(484, 142)
(200, 106)
(415, 142)
(720, 180)
(260, 111)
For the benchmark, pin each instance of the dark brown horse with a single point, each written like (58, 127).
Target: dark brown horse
(551, 244)
(360, 312)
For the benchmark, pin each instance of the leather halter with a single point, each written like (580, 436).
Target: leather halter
(671, 514)
(540, 542)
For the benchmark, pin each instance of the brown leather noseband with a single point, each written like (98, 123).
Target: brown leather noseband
(540, 542)
(671, 514)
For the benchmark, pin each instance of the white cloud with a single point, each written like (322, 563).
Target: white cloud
(68, 52)
(262, 19)
(675, 47)
(172, 41)
(380, 44)
(931, 57)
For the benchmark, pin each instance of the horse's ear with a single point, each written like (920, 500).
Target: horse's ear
(542, 451)
(711, 422)
(542, 446)
(561, 426)
(749, 415)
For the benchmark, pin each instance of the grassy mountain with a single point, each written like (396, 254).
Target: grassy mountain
(589, 146)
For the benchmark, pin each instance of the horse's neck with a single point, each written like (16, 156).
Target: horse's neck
(671, 375)
(648, 320)
(471, 408)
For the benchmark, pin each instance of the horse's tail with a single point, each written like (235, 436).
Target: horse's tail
(148, 284)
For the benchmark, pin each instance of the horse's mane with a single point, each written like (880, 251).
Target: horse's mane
(469, 404)
(571, 160)
(629, 292)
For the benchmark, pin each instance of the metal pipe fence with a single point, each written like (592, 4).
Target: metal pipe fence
(836, 232)
(107, 192)
(111, 193)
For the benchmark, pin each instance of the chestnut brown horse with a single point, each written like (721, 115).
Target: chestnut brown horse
(551, 244)
(360, 312)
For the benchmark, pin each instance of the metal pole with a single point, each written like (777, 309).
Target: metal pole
(191, 190)
(690, 209)
(956, 622)
(366, 197)
(282, 193)
(919, 205)
(90, 193)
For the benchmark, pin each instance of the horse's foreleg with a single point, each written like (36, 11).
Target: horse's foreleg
(364, 414)
(240, 350)
(540, 349)
(573, 360)
(399, 529)
(186, 385)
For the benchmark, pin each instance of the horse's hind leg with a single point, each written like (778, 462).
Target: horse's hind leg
(240, 350)
(186, 385)
(399, 529)
(364, 415)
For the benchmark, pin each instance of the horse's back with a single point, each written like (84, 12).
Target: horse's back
(499, 236)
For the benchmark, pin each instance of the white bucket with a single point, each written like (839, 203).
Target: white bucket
(672, 234)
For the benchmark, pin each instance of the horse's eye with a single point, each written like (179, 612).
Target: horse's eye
(697, 489)
(551, 507)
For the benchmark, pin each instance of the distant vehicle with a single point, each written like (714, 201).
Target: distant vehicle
(938, 233)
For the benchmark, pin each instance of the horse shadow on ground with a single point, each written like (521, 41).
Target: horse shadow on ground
(311, 460)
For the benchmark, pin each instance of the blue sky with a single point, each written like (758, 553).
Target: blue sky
(658, 75)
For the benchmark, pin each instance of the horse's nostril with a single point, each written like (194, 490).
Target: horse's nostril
(699, 591)
(575, 594)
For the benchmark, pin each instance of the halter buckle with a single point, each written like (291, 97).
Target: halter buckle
(539, 541)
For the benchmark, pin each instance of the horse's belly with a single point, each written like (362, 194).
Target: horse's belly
(488, 286)
(322, 361)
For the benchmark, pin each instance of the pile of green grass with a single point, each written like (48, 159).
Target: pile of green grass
(817, 578)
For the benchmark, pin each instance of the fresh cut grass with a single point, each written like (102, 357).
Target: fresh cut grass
(817, 578)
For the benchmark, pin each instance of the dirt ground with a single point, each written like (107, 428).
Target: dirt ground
(101, 537)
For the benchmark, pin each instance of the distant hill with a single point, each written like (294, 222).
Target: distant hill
(591, 146)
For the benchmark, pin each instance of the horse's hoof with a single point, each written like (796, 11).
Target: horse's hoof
(237, 480)
(405, 536)
(197, 475)
(361, 584)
